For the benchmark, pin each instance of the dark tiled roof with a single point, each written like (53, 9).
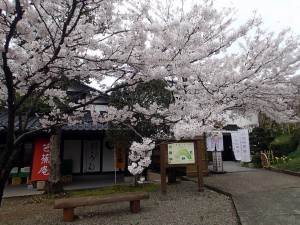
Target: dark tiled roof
(86, 124)
(34, 123)
(231, 127)
(85, 127)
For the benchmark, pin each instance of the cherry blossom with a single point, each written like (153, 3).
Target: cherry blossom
(140, 155)
(210, 63)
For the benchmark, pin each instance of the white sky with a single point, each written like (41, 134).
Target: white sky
(276, 14)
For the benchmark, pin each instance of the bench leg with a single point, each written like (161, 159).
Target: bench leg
(68, 214)
(135, 206)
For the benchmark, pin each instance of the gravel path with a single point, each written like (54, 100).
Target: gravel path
(183, 205)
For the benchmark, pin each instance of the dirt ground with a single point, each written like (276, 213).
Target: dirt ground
(184, 204)
(13, 210)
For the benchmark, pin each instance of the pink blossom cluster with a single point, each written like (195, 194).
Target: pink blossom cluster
(140, 155)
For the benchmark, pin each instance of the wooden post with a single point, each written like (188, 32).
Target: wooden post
(199, 147)
(68, 214)
(135, 206)
(163, 169)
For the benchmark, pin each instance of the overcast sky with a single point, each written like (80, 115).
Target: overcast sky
(276, 14)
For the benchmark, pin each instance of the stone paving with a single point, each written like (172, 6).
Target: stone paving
(261, 197)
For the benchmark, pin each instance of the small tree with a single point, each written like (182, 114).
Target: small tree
(259, 140)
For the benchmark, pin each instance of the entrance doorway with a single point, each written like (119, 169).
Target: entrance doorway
(227, 154)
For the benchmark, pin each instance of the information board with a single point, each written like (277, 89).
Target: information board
(181, 153)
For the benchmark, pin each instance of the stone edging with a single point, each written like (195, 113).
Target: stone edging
(274, 169)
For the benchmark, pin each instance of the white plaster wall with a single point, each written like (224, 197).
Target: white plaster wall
(249, 121)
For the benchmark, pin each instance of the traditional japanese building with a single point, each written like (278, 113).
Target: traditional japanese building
(83, 151)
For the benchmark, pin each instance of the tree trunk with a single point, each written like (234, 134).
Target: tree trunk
(3, 178)
(135, 180)
(8, 161)
(54, 185)
(2, 185)
(4, 171)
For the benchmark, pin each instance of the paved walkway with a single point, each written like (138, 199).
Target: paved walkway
(260, 196)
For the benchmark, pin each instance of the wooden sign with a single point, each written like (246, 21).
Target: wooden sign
(120, 158)
(41, 159)
(178, 154)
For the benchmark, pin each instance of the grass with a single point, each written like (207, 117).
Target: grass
(295, 154)
(112, 189)
(292, 163)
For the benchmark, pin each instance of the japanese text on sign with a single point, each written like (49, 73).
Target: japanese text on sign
(41, 160)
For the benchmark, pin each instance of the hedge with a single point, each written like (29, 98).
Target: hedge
(283, 145)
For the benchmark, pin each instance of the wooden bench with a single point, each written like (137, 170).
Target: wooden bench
(68, 204)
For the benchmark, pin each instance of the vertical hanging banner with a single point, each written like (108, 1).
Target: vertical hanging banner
(215, 143)
(41, 159)
(91, 160)
(245, 148)
(236, 145)
(240, 145)
(120, 158)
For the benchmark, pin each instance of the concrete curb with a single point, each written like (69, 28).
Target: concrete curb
(274, 169)
(228, 195)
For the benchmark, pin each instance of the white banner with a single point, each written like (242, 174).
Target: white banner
(91, 158)
(240, 145)
(245, 147)
(236, 145)
(214, 144)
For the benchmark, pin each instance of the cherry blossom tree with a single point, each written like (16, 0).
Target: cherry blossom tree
(212, 64)
(45, 43)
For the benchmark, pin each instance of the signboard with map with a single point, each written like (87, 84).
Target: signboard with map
(181, 153)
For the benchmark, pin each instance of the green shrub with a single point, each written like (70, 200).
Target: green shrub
(295, 154)
(293, 165)
(259, 140)
(256, 160)
(284, 144)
